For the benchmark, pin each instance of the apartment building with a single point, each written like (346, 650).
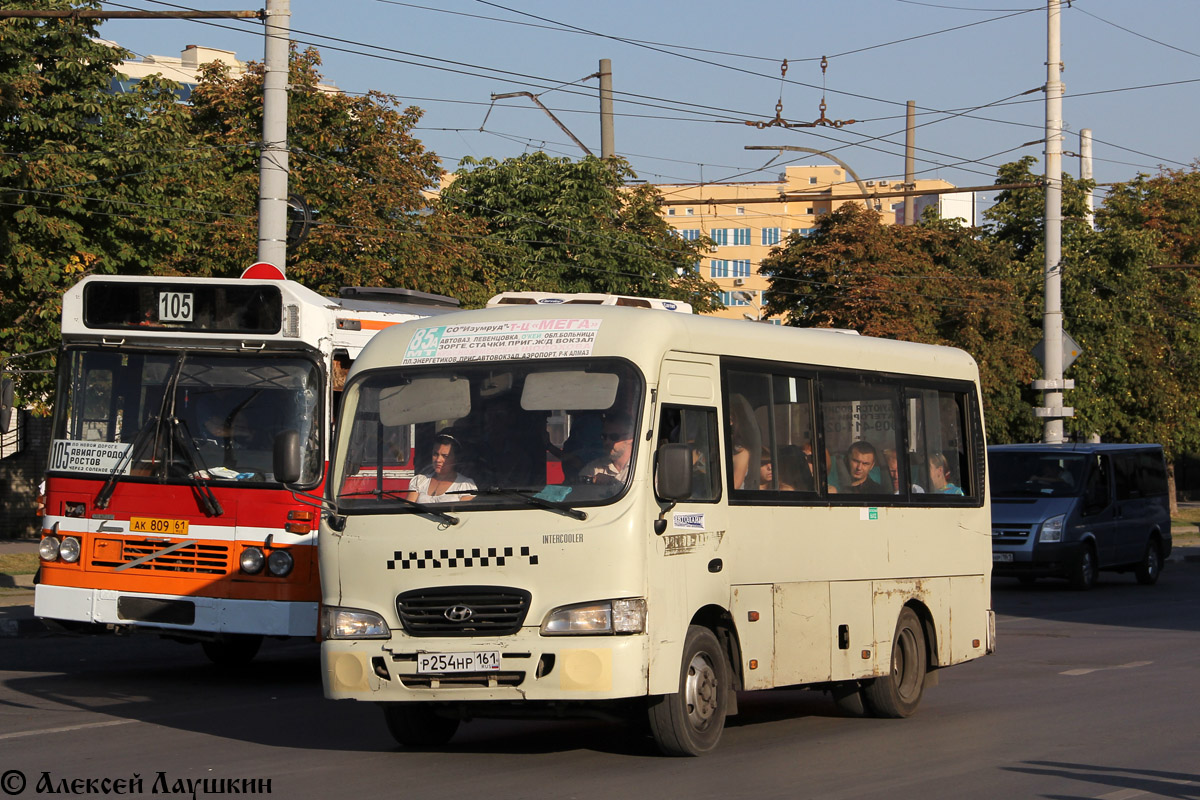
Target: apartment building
(746, 220)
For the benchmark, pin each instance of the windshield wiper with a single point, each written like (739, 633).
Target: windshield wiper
(531, 494)
(424, 508)
(149, 430)
(183, 441)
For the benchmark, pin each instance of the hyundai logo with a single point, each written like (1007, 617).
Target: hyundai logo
(458, 613)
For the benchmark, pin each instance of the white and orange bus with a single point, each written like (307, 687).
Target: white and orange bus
(161, 508)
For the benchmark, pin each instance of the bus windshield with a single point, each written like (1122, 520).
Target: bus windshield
(546, 434)
(186, 414)
(1034, 474)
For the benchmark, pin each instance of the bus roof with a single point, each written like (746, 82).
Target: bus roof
(606, 330)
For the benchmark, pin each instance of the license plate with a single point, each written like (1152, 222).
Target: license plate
(1001, 558)
(159, 526)
(480, 661)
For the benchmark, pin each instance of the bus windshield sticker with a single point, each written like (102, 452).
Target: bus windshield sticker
(502, 340)
(81, 456)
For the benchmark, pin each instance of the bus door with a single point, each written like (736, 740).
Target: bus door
(687, 554)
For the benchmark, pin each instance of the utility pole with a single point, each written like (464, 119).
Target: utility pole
(910, 168)
(1085, 173)
(607, 149)
(1052, 383)
(273, 160)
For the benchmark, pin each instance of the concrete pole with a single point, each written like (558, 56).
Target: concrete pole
(273, 161)
(910, 169)
(1052, 321)
(607, 148)
(1085, 172)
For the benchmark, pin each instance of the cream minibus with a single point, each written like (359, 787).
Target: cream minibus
(621, 511)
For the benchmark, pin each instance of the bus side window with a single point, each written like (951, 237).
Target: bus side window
(698, 428)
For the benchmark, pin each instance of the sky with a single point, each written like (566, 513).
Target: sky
(688, 76)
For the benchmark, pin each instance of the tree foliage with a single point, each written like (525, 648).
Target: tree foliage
(84, 170)
(554, 224)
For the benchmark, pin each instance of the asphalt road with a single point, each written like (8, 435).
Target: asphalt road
(1090, 695)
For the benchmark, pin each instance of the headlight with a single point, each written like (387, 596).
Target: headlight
(68, 551)
(252, 560)
(353, 623)
(1052, 529)
(48, 548)
(607, 616)
(280, 563)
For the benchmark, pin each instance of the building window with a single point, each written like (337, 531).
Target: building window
(734, 298)
(812, 179)
(687, 234)
(741, 209)
(770, 236)
(720, 237)
(690, 211)
(741, 268)
(718, 268)
(741, 237)
(670, 212)
(808, 210)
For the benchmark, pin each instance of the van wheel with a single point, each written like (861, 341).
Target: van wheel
(1083, 573)
(898, 693)
(1151, 565)
(689, 722)
(418, 724)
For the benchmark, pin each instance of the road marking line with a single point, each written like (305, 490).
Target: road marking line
(67, 729)
(1089, 670)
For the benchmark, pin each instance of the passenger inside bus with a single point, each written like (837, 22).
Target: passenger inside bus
(613, 468)
(441, 482)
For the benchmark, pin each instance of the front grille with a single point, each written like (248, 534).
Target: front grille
(199, 558)
(463, 610)
(1011, 534)
(489, 680)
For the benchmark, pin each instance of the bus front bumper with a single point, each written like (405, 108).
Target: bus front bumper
(533, 667)
(175, 613)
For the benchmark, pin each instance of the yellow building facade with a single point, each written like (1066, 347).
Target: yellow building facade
(747, 220)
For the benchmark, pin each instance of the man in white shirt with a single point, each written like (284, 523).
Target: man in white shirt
(617, 437)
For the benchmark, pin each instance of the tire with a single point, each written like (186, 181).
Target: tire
(232, 649)
(1083, 571)
(1151, 565)
(689, 722)
(898, 693)
(418, 724)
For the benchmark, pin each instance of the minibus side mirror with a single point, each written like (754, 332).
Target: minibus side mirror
(6, 404)
(673, 472)
(288, 462)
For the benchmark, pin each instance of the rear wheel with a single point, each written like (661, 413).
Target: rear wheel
(1083, 572)
(1151, 565)
(418, 724)
(689, 722)
(232, 649)
(898, 693)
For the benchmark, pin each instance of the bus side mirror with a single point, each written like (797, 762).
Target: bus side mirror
(673, 472)
(6, 404)
(289, 461)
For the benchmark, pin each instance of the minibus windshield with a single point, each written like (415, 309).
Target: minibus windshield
(1033, 474)
(547, 434)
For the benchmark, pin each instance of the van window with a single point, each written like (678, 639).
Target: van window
(862, 421)
(697, 427)
(770, 436)
(1152, 473)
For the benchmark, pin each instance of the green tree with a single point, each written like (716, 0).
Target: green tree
(925, 283)
(355, 161)
(554, 224)
(82, 171)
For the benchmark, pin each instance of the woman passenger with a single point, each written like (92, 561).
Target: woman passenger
(441, 482)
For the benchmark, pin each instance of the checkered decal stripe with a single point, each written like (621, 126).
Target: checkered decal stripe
(452, 559)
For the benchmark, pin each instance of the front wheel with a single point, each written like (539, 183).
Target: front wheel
(1083, 572)
(689, 722)
(898, 693)
(418, 724)
(1151, 565)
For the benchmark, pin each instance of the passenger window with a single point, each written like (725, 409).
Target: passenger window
(696, 427)
(938, 457)
(1125, 473)
(862, 424)
(1096, 491)
(770, 442)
